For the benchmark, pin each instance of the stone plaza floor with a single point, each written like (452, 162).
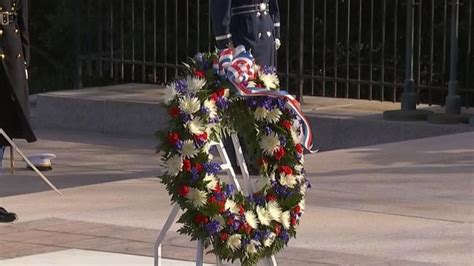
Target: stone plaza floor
(404, 203)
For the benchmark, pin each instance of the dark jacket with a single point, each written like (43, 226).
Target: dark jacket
(14, 58)
(234, 22)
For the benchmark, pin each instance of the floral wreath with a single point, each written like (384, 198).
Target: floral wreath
(211, 101)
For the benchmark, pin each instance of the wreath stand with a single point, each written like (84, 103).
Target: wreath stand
(13, 148)
(227, 166)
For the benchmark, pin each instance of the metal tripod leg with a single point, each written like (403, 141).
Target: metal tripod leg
(164, 230)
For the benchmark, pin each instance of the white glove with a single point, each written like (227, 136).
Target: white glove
(277, 43)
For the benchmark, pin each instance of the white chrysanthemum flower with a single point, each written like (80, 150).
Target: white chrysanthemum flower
(251, 219)
(170, 93)
(288, 180)
(302, 205)
(189, 105)
(173, 165)
(189, 150)
(234, 242)
(299, 168)
(268, 241)
(211, 182)
(285, 219)
(260, 113)
(252, 84)
(252, 246)
(270, 81)
(263, 215)
(274, 116)
(220, 219)
(269, 143)
(211, 106)
(196, 126)
(231, 206)
(303, 188)
(274, 211)
(299, 178)
(197, 197)
(195, 84)
(296, 138)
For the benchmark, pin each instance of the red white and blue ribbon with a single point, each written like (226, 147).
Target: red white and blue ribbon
(237, 65)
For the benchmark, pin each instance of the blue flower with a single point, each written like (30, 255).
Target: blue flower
(212, 227)
(212, 168)
(179, 145)
(185, 117)
(181, 86)
(257, 199)
(198, 57)
(280, 103)
(284, 236)
(282, 141)
(194, 175)
(267, 130)
(222, 103)
(229, 189)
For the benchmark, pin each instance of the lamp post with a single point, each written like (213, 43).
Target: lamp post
(453, 100)
(409, 99)
(409, 96)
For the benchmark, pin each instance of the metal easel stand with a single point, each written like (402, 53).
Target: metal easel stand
(226, 166)
(15, 148)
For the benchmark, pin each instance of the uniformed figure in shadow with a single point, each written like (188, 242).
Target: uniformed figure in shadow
(14, 59)
(252, 23)
(256, 25)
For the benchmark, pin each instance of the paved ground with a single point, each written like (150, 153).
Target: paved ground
(404, 203)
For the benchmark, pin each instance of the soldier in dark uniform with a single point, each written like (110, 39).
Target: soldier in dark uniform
(252, 23)
(14, 59)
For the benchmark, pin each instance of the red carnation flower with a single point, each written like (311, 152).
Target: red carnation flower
(293, 221)
(201, 219)
(198, 167)
(286, 124)
(297, 209)
(277, 229)
(279, 153)
(199, 74)
(201, 137)
(247, 228)
(299, 148)
(221, 92)
(214, 97)
(221, 205)
(173, 138)
(218, 188)
(224, 236)
(183, 190)
(174, 111)
(241, 210)
(271, 197)
(286, 170)
(187, 165)
(212, 199)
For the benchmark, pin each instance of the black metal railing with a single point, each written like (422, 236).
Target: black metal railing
(335, 48)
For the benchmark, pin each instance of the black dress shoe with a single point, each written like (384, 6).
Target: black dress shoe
(7, 217)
